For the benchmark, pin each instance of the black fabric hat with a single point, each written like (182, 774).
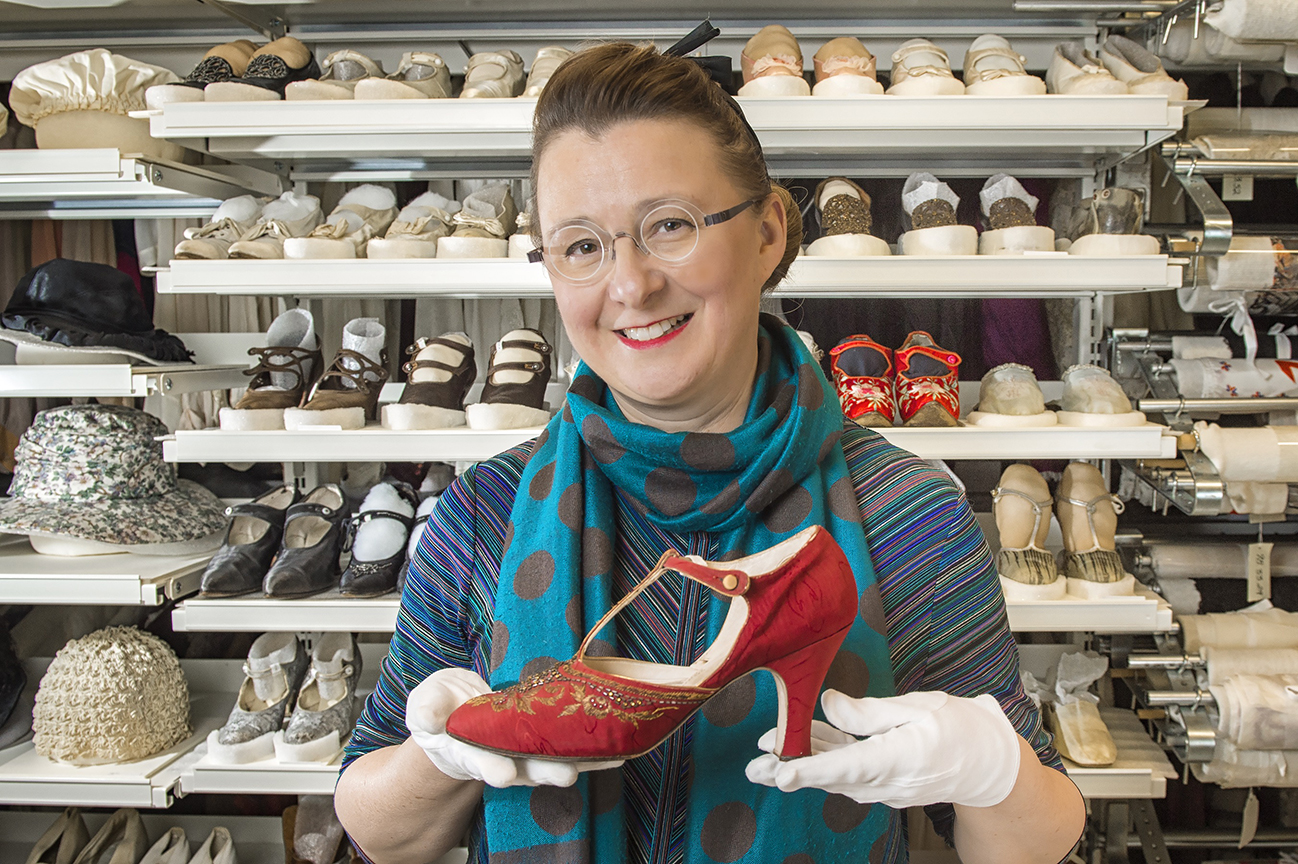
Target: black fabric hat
(87, 306)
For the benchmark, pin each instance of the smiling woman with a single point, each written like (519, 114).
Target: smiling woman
(698, 425)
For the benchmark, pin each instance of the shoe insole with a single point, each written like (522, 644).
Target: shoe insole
(305, 532)
(247, 529)
(326, 496)
(924, 366)
(863, 362)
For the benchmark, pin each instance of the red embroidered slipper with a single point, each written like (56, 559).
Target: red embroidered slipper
(928, 383)
(863, 373)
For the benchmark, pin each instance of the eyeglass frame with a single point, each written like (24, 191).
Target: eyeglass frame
(537, 257)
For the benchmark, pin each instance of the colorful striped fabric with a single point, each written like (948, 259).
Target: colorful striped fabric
(947, 628)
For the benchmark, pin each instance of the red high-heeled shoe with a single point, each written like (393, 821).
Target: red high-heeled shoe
(791, 609)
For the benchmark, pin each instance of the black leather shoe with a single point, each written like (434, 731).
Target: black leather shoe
(251, 541)
(313, 539)
(373, 578)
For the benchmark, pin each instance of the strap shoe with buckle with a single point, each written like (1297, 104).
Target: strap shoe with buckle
(513, 396)
(307, 562)
(251, 541)
(438, 377)
(274, 669)
(286, 368)
(377, 538)
(347, 394)
(326, 702)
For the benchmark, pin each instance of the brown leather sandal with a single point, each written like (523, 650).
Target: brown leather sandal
(262, 405)
(514, 403)
(334, 403)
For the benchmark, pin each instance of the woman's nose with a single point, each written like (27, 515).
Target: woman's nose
(633, 278)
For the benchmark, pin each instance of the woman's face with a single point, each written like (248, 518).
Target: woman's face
(697, 358)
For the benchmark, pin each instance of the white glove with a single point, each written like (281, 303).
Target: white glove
(429, 706)
(923, 748)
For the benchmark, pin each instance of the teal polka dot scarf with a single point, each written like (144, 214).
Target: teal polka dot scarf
(782, 470)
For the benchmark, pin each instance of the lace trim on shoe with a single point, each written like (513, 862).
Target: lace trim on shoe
(1100, 565)
(1027, 566)
(267, 66)
(778, 64)
(210, 70)
(850, 64)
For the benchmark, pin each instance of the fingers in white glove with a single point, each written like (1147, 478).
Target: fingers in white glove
(823, 737)
(870, 716)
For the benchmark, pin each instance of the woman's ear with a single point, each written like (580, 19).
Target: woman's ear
(773, 232)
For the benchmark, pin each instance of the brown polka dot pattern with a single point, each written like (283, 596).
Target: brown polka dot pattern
(811, 393)
(842, 500)
(848, 674)
(726, 499)
(596, 553)
(536, 666)
(556, 809)
(601, 648)
(707, 451)
(567, 413)
(499, 644)
(587, 388)
(763, 355)
(773, 485)
(879, 849)
(670, 491)
(542, 480)
(509, 538)
(605, 790)
(541, 439)
(825, 448)
(732, 704)
(572, 614)
(600, 441)
(732, 555)
(534, 575)
(728, 831)
(842, 814)
(571, 509)
(783, 401)
(871, 609)
(790, 511)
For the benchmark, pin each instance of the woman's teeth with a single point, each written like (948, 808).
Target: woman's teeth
(654, 330)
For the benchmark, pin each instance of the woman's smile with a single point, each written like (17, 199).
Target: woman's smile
(655, 334)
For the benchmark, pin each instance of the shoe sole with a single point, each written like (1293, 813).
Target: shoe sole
(932, 414)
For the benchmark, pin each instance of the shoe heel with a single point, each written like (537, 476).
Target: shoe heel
(798, 678)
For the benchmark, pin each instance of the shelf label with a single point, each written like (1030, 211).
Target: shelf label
(1259, 572)
(1237, 187)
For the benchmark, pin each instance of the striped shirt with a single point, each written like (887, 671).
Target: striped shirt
(946, 621)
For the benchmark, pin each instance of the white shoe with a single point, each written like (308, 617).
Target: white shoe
(289, 215)
(171, 848)
(1074, 71)
(547, 60)
(920, 68)
(417, 228)
(341, 72)
(420, 75)
(493, 74)
(231, 220)
(1010, 396)
(218, 848)
(771, 63)
(1092, 398)
(993, 68)
(521, 242)
(364, 212)
(1142, 72)
(482, 225)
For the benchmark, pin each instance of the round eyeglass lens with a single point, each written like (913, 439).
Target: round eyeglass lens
(671, 231)
(575, 251)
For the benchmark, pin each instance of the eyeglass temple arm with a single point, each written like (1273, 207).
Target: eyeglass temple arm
(695, 39)
(727, 215)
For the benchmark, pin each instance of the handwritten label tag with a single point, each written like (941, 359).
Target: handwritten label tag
(1259, 572)
(1248, 830)
(1237, 187)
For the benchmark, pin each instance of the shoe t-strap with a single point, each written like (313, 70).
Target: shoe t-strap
(926, 48)
(1093, 505)
(272, 674)
(1038, 508)
(253, 510)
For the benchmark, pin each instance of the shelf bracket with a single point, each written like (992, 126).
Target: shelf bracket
(1217, 222)
(1191, 483)
(271, 25)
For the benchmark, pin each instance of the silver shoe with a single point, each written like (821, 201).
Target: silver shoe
(324, 714)
(275, 667)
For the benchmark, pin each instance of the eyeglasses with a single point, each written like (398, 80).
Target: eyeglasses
(580, 250)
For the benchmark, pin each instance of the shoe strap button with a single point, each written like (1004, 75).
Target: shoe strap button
(730, 582)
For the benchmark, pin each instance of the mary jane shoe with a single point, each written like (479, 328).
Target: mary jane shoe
(513, 396)
(845, 68)
(419, 75)
(251, 541)
(286, 368)
(547, 60)
(342, 71)
(771, 64)
(326, 702)
(379, 531)
(993, 68)
(307, 562)
(920, 68)
(439, 375)
(274, 670)
(493, 75)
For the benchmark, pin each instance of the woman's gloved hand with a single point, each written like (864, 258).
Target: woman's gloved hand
(429, 706)
(922, 748)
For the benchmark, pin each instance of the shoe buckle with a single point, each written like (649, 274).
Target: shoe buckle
(419, 345)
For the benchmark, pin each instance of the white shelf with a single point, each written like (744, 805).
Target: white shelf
(966, 135)
(1053, 442)
(1144, 612)
(1052, 274)
(102, 183)
(255, 614)
(119, 580)
(267, 777)
(1141, 770)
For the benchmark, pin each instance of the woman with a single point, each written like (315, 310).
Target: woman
(699, 425)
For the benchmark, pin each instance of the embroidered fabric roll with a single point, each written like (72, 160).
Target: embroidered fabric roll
(1232, 379)
(1266, 453)
(1200, 347)
(1226, 663)
(1264, 628)
(1258, 20)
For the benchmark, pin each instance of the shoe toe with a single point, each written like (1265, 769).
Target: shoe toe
(231, 574)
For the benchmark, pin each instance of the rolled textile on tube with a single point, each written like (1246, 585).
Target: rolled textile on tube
(1257, 20)
(1258, 712)
(1233, 768)
(1246, 496)
(1236, 378)
(1216, 560)
(1226, 663)
(1248, 266)
(1199, 299)
(1210, 46)
(1266, 453)
(1200, 348)
(1267, 628)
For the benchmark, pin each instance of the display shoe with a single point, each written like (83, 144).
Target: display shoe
(845, 221)
(171, 848)
(863, 374)
(340, 73)
(771, 64)
(931, 207)
(323, 717)
(521, 243)
(920, 68)
(316, 833)
(362, 213)
(417, 228)
(513, 396)
(845, 68)
(419, 75)
(286, 368)
(1140, 69)
(222, 63)
(275, 667)
(547, 60)
(289, 215)
(347, 394)
(380, 530)
(1092, 398)
(1109, 224)
(798, 602)
(927, 383)
(1010, 212)
(493, 75)
(62, 841)
(218, 848)
(234, 218)
(251, 541)
(993, 68)
(272, 67)
(1010, 396)
(1080, 734)
(120, 840)
(485, 220)
(1074, 71)
(1021, 503)
(438, 377)
(307, 562)
(1088, 517)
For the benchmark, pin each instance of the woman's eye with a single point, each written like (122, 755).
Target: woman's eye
(582, 248)
(670, 226)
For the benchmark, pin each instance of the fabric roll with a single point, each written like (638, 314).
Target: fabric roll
(1267, 453)
(1263, 498)
(1233, 768)
(1200, 299)
(1258, 712)
(1221, 47)
(1232, 379)
(1211, 46)
(1264, 628)
(1250, 264)
(1200, 348)
(1257, 20)
(1227, 663)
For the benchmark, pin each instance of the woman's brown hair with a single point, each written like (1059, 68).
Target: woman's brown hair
(619, 82)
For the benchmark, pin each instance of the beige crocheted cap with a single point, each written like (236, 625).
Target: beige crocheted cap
(94, 80)
(116, 695)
